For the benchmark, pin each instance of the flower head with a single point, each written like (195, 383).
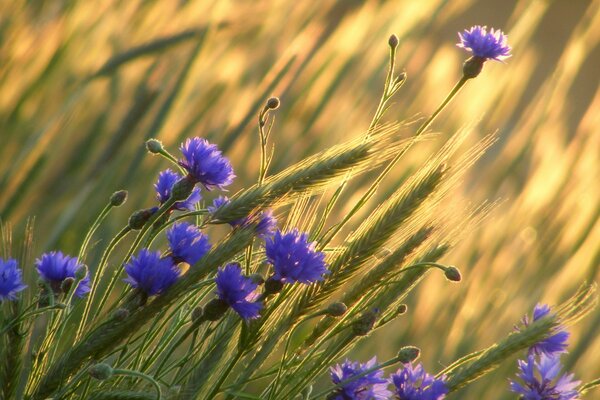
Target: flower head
(266, 222)
(11, 279)
(490, 45)
(371, 386)
(55, 267)
(238, 291)
(206, 164)
(150, 273)
(294, 259)
(540, 381)
(187, 243)
(416, 384)
(163, 186)
(554, 344)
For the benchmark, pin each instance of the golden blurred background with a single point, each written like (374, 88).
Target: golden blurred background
(85, 83)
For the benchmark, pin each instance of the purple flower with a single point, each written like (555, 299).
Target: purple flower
(483, 44)
(163, 186)
(294, 259)
(371, 386)
(187, 243)
(206, 164)
(539, 380)
(554, 344)
(238, 291)
(55, 267)
(416, 384)
(267, 223)
(150, 273)
(11, 280)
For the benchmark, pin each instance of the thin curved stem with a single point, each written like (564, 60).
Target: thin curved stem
(141, 375)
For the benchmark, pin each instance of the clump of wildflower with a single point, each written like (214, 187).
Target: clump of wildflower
(205, 164)
(150, 273)
(554, 344)
(371, 386)
(416, 384)
(164, 186)
(540, 380)
(267, 223)
(188, 244)
(56, 267)
(484, 46)
(238, 291)
(294, 258)
(11, 279)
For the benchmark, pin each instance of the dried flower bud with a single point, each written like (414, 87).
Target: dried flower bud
(182, 189)
(100, 371)
(273, 103)
(197, 314)
(273, 286)
(393, 41)
(118, 198)
(363, 325)
(138, 219)
(453, 274)
(215, 309)
(336, 309)
(121, 314)
(67, 284)
(408, 354)
(154, 146)
(472, 67)
(81, 272)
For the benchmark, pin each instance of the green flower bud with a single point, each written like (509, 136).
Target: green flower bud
(67, 284)
(100, 371)
(336, 309)
(393, 41)
(402, 308)
(215, 309)
(453, 274)
(154, 146)
(408, 354)
(364, 324)
(182, 189)
(273, 103)
(138, 219)
(118, 198)
(472, 67)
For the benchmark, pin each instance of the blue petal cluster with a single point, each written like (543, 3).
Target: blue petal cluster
(490, 45)
(238, 291)
(371, 386)
(205, 163)
(150, 273)
(267, 223)
(11, 279)
(416, 384)
(541, 381)
(554, 344)
(55, 267)
(188, 244)
(294, 259)
(163, 186)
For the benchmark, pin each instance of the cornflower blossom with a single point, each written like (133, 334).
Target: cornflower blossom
(205, 164)
(54, 267)
(238, 291)
(554, 344)
(163, 186)
(187, 243)
(371, 386)
(416, 384)
(11, 280)
(150, 273)
(485, 45)
(267, 223)
(541, 381)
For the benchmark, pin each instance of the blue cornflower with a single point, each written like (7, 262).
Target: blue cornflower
(294, 259)
(416, 384)
(238, 291)
(55, 267)
(11, 279)
(150, 273)
(163, 186)
(206, 164)
(486, 45)
(371, 386)
(267, 223)
(188, 244)
(554, 344)
(543, 385)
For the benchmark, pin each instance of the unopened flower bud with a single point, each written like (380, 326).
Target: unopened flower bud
(336, 309)
(453, 274)
(273, 103)
(118, 198)
(273, 286)
(121, 314)
(154, 146)
(257, 278)
(138, 219)
(215, 309)
(100, 371)
(408, 354)
(472, 67)
(400, 78)
(402, 308)
(81, 272)
(197, 314)
(182, 189)
(363, 325)
(67, 284)
(393, 41)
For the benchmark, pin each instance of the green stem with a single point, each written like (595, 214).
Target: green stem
(589, 386)
(24, 316)
(92, 230)
(225, 373)
(141, 375)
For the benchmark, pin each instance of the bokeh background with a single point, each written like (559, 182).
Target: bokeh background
(85, 83)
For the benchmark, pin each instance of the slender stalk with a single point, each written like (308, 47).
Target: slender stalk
(92, 230)
(225, 374)
(141, 375)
